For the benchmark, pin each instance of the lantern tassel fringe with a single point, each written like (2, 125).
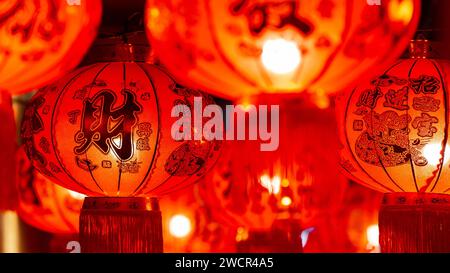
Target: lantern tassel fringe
(415, 223)
(131, 230)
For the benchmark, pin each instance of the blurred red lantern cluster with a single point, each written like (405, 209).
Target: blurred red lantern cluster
(298, 183)
(245, 47)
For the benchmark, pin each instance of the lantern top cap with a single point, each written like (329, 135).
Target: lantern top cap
(420, 48)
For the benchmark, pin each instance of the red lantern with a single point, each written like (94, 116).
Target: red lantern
(244, 47)
(45, 205)
(189, 227)
(395, 137)
(105, 130)
(44, 39)
(280, 191)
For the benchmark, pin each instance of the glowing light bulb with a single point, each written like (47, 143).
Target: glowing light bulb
(401, 10)
(432, 152)
(373, 235)
(281, 56)
(286, 201)
(180, 226)
(76, 195)
(271, 184)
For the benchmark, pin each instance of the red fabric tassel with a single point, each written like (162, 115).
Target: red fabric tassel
(8, 190)
(415, 223)
(121, 225)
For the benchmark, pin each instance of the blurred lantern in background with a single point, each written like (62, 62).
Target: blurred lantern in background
(238, 48)
(394, 132)
(270, 196)
(40, 41)
(43, 204)
(44, 39)
(105, 131)
(47, 206)
(359, 214)
(188, 225)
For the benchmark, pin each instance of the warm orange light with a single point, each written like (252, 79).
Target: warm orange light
(401, 10)
(244, 48)
(271, 184)
(286, 201)
(180, 226)
(281, 56)
(373, 235)
(42, 40)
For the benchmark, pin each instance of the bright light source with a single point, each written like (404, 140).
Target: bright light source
(281, 56)
(286, 201)
(271, 184)
(373, 235)
(432, 152)
(179, 226)
(76, 195)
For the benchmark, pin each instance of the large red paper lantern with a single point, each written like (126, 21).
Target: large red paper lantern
(105, 130)
(279, 191)
(42, 40)
(43, 204)
(394, 138)
(244, 47)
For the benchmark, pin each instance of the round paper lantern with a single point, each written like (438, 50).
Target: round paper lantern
(43, 204)
(105, 130)
(394, 138)
(42, 40)
(189, 227)
(244, 47)
(257, 190)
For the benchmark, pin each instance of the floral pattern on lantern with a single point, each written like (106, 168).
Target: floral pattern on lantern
(42, 40)
(240, 48)
(105, 130)
(394, 129)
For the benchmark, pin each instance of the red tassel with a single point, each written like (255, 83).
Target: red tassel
(121, 225)
(415, 223)
(8, 191)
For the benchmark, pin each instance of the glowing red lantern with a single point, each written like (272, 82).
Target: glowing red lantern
(105, 130)
(244, 47)
(43, 204)
(43, 40)
(284, 190)
(188, 225)
(395, 137)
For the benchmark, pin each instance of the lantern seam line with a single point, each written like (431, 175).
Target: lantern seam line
(151, 166)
